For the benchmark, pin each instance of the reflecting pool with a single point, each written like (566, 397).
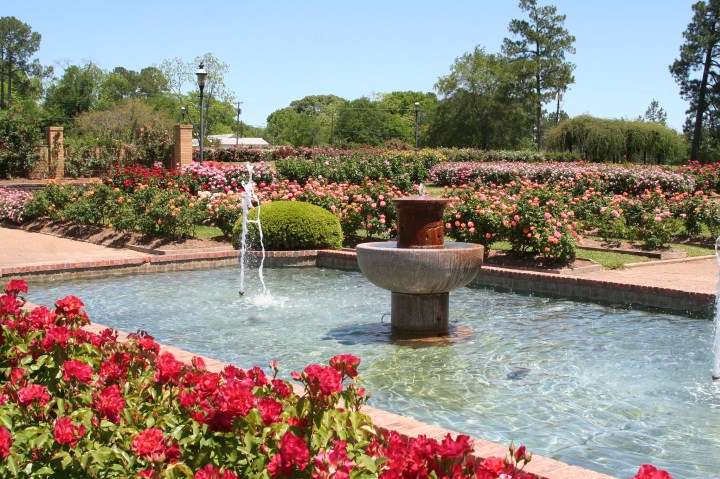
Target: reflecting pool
(595, 386)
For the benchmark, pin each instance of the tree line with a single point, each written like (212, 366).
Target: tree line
(509, 99)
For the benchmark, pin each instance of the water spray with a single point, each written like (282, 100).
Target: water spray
(248, 198)
(716, 343)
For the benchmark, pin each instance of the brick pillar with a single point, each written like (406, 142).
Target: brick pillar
(183, 149)
(56, 150)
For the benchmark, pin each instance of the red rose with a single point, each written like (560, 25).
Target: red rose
(41, 318)
(15, 287)
(71, 308)
(270, 410)
(78, 370)
(9, 305)
(68, 433)
(495, 465)
(334, 463)
(456, 449)
(648, 471)
(34, 393)
(236, 398)
(150, 445)
(346, 364)
(281, 388)
(520, 454)
(293, 453)
(5, 442)
(109, 403)
(168, 368)
(294, 450)
(212, 472)
(322, 380)
(56, 335)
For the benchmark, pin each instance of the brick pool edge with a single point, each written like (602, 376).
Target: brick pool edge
(550, 284)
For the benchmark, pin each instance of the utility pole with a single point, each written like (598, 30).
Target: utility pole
(238, 132)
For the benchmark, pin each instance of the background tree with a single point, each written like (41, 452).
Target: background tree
(288, 127)
(77, 91)
(17, 44)
(402, 105)
(538, 52)
(699, 55)
(480, 105)
(362, 122)
(19, 138)
(306, 122)
(218, 98)
(654, 113)
(122, 122)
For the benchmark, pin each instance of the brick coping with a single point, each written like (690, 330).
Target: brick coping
(384, 421)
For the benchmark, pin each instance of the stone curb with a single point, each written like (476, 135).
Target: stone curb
(688, 259)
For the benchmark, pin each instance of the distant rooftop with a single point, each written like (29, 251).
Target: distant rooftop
(229, 140)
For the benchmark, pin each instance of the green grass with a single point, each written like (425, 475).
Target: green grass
(207, 232)
(693, 250)
(610, 259)
(607, 259)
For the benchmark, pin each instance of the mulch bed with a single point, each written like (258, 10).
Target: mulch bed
(110, 237)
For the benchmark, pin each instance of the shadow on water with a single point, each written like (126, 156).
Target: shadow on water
(381, 333)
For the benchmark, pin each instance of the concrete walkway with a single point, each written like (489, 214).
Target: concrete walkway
(20, 247)
(698, 274)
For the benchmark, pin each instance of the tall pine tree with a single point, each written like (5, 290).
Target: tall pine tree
(17, 44)
(538, 50)
(697, 71)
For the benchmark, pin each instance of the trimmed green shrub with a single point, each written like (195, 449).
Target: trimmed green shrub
(292, 225)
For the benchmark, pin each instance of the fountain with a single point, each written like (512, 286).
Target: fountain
(249, 196)
(419, 268)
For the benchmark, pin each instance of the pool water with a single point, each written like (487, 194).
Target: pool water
(599, 387)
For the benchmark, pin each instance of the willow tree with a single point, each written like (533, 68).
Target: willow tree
(697, 71)
(538, 50)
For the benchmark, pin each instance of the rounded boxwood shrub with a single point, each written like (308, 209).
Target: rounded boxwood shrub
(292, 225)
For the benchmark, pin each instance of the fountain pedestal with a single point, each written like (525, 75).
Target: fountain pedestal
(428, 314)
(419, 268)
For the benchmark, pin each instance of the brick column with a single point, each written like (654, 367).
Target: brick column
(183, 150)
(56, 150)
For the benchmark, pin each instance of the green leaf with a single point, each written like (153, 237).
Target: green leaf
(12, 465)
(6, 422)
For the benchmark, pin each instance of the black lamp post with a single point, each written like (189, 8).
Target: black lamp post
(201, 76)
(417, 111)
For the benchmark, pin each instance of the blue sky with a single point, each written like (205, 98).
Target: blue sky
(282, 50)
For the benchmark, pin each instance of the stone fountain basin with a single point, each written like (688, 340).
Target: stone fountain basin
(419, 270)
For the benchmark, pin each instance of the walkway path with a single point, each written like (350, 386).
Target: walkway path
(20, 247)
